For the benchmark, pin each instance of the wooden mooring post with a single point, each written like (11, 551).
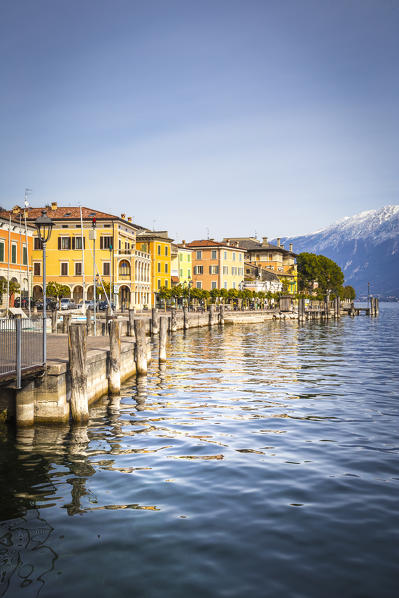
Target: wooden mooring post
(154, 321)
(185, 319)
(301, 308)
(130, 323)
(163, 335)
(173, 320)
(211, 314)
(221, 314)
(54, 316)
(77, 347)
(114, 376)
(66, 321)
(141, 346)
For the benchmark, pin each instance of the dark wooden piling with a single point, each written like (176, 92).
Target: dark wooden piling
(221, 314)
(66, 321)
(154, 322)
(163, 334)
(141, 346)
(185, 318)
(211, 314)
(114, 376)
(130, 323)
(173, 320)
(54, 315)
(77, 347)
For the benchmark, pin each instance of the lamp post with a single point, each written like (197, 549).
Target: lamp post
(190, 284)
(44, 226)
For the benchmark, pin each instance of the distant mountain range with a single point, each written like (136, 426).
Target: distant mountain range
(366, 247)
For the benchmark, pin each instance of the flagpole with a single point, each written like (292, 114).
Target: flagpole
(83, 260)
(8, 268)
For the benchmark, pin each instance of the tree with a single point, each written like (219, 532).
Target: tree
(55, 289)
(348, 292)
(318, 269)
(100, 290)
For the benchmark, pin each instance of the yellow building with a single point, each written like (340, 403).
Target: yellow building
(182, 267)
(70, 255)
(158, 245)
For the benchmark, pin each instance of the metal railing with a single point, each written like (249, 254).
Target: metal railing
(21, 347)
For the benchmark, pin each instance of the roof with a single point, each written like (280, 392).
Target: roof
(211, 243)
(251, 244)
(5, 216)
(66, 213)
(147, 234)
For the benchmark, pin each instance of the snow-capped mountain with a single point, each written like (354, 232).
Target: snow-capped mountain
(366, 246)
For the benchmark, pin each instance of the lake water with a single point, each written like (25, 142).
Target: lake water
(261, 461)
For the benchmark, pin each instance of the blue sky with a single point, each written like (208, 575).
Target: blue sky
(203, 118)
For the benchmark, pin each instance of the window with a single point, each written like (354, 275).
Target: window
(166, 268)
(166, 250)
(188, 273)
(36, 269)
(234, 256)
(225, 269)
(225, 285)
(181, 272)
(240, 257)
(159, 284)
(106, 268)
(14, 253)
(1, 252)
(78, 268)
(234, 285)
(37, 244)
(159, 266)
(159, 250)
(213, 285)
(105, 243)
(225, 255)
(199, 284)
(198, 269)
(166, 284)
(77, 242)
(199, 255)
(64, 268)
(24, 256)
(214, 254)
(213, 269)
(189, 257)
(64, 243)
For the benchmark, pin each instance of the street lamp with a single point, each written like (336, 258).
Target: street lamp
(44, 226)
(190, 284)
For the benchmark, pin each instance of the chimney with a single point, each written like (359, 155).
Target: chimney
(53, 205)
(264, 240)
(278, 241)
(290, 246)
(183, 243)
(129, 219)
(282, 246)
(16, 210)
(123, 216)
(228, 242)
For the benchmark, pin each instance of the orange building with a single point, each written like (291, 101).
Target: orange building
(16, 242)
(216, 265)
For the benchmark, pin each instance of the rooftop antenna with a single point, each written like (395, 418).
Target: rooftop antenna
(207, 233)
(153, 224)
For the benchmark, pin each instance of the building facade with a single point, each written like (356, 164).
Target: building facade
(274, 258)
(16, 242)
(216, 265)
(158, 245)
(79, 234)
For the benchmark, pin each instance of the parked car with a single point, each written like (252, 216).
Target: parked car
(24, 302)
(89, 304)
(103, 305)
(67, 303)
(51, 303)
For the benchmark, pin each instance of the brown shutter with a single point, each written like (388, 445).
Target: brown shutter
(59, 242)
(73, 242)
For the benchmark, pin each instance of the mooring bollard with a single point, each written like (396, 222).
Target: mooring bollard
(163, 334)
(77, 346)
(141, 346)
(377, 306)
(130, 323)
(185, 318)
(154, 321)
(221, 314)
(54, 315)
(173, 320)
(66, 321)
(114, 378)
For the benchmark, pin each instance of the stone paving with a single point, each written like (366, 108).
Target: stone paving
(57, 346)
